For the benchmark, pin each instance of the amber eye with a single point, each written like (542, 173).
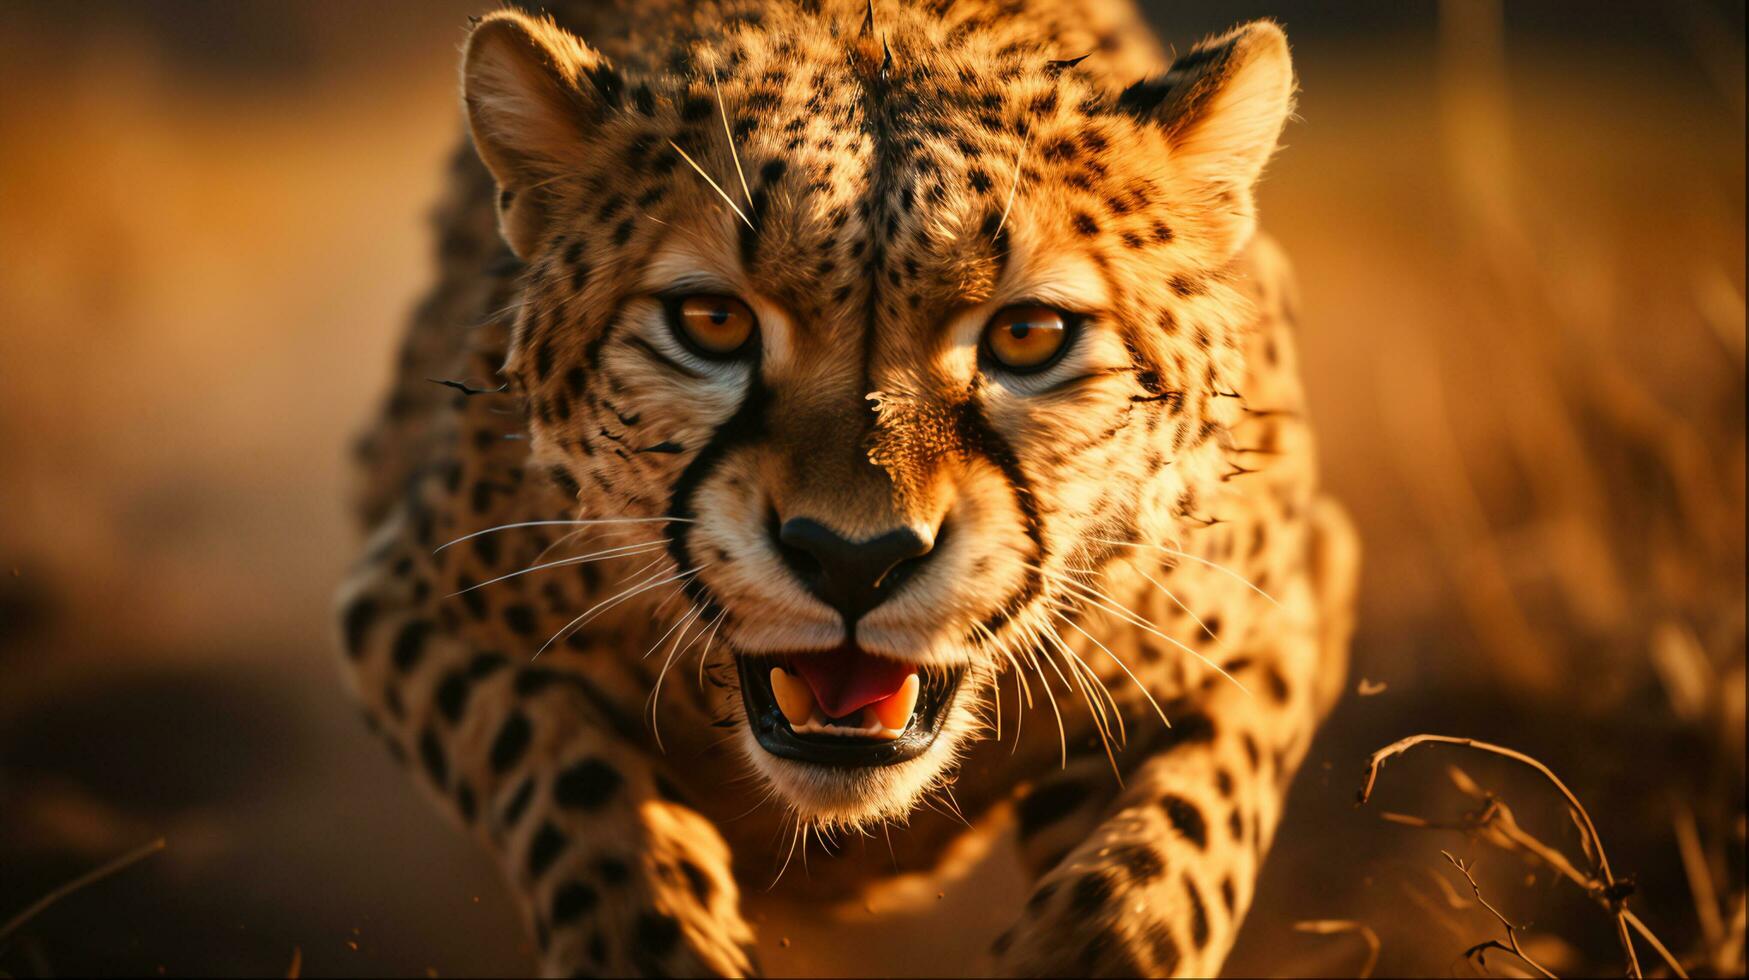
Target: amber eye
(1026, 338)
(716, 326)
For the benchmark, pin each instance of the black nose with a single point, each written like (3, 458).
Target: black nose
(850, 576)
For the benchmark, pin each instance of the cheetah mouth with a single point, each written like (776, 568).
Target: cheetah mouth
(844, 707)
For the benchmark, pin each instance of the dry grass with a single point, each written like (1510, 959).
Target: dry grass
(1599, 557)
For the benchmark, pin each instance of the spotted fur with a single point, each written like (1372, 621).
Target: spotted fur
(1135, 537)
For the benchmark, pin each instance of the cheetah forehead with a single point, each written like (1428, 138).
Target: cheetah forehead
(839, 169)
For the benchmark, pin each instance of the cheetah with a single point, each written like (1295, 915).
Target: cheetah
(828, 407)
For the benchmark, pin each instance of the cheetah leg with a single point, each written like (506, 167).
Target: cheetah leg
(1160, 872)
(1153, 878)
(615, 875)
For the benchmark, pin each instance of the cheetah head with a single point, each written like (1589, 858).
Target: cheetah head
(893, 340)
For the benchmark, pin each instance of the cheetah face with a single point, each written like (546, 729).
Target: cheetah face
(893, 351)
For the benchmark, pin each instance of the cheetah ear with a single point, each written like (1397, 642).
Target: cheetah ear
(534, 93)
(1222, 106)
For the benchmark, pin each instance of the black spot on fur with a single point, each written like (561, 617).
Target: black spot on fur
(486, 549)
(410, 644)
(1141, 862)
(548, 843)
(587, 785)
(572, 901)
(1199, 915)
(471, 597)
(1092, 894)
(698, 881)
(355, 622)
(481, 498)
(518, 804)
(1164, 948)
(511, 742)
(695, 108)
(452, 695)
(1275, 684)
(613, 871)
(1186, 819)
(432, 757)
(521, 619)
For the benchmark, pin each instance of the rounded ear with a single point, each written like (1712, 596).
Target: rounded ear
(534, 94)
(1222, 105)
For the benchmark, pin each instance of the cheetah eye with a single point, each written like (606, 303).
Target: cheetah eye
(1024, 339)
(717, 327)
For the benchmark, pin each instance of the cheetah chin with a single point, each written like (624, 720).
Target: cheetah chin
(846, 736)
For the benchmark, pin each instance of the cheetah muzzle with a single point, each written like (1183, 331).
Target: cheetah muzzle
(844, 707)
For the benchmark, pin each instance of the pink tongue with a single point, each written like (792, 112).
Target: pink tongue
(847, 680)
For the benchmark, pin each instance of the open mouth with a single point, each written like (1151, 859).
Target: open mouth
(844, 707)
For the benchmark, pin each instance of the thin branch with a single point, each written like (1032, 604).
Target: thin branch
(1511, 945)
(1615, 892)
(91, 877)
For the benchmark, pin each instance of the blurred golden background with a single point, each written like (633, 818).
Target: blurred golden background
(1519, 230)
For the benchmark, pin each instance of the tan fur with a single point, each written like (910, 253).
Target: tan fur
(1135, 532)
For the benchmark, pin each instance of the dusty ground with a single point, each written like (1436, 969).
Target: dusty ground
(1523, 339)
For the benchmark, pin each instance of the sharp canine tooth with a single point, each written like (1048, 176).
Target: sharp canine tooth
(793, 697)
(895, 712)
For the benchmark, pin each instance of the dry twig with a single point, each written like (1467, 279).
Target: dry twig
(1511, 945)
(88, 878)
(1496, 824)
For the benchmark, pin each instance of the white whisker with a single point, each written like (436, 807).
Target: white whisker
(1217, 566)
(1128, 615)
(621, 551)
(707, 179)
(682, 624)
(1125, 668)
(600, 520)
(623, 595)
(1181, 604)
(1098, 711)
(730, 135)
(704, 655)
(1014, 185)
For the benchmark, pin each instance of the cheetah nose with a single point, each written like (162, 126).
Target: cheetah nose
(850, 576)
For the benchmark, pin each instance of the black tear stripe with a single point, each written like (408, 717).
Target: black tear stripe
(746, 426)
(978, 436)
